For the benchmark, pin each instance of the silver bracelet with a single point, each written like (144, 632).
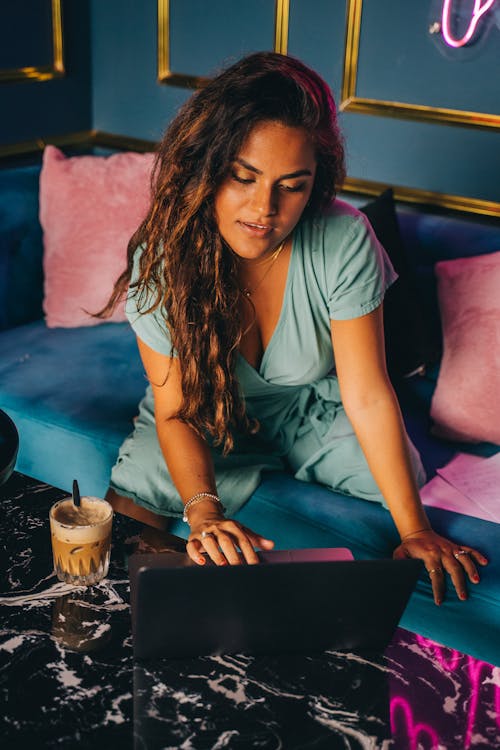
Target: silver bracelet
(197, 499)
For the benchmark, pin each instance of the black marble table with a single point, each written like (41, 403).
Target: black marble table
(68, 677)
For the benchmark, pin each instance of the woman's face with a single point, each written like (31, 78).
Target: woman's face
(268, 186)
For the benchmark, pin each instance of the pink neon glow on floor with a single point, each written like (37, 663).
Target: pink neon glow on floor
(471, 685)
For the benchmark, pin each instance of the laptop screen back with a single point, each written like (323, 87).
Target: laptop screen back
(301, 604)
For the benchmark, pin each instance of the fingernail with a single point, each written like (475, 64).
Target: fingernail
(463, 595)
(438, 602)
(475, 579)
(201, 561)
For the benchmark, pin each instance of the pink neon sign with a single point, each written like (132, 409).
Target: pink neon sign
(480, 8)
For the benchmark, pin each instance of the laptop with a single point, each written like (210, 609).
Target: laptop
(293, 601)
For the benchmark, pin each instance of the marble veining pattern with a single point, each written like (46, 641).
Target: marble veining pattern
(68, 678)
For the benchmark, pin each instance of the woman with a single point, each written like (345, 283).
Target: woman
(243, 281)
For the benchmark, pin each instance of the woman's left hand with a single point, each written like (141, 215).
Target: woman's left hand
(441, 556)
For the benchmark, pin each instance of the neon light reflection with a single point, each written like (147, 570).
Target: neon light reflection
(401, 714)
(415, 732)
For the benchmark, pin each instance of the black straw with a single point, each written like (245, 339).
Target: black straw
(76, 494)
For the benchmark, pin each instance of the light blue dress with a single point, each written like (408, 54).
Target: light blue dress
(337, 271)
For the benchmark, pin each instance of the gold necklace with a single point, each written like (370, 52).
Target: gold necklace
(272, 260)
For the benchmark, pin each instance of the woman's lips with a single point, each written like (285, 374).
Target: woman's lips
(256, 230)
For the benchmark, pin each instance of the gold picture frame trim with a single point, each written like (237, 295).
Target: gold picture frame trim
(44, 72)
(281, 22)
(79, 138)
(404, 194)
(461, 203)
(165, 73)
(350, 102)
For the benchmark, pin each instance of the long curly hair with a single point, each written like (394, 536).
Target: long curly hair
(185, 269)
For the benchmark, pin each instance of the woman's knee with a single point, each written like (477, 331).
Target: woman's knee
(127, 507)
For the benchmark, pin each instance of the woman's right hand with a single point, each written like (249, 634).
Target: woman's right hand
(225, 541)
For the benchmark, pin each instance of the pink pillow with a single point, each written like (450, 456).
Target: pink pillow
(89, 208)
(466, 402)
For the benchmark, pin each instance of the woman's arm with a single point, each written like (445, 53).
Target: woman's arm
(190, 465)
(373, 410)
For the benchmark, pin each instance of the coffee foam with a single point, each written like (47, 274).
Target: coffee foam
(86, 523)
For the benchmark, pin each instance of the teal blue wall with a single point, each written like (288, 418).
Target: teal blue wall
(399, 60)
(206, 34)
(31, 110)
(111, 82)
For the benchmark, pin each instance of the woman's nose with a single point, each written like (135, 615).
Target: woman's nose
(264, 201)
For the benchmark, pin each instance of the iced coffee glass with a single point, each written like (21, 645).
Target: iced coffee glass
(81, 540)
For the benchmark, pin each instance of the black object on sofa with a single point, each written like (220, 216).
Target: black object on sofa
(9, 446)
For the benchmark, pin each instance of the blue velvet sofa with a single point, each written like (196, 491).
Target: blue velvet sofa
(73, 394)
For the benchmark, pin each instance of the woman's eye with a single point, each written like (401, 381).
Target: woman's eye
(294, 188)
(242, 180)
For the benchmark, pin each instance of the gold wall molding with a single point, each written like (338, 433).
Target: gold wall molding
(165, 73)
(403, 194)
(461, 203)
(83, 138)
(281, 20)
(122, 142)
(350, 102)
(44, 72)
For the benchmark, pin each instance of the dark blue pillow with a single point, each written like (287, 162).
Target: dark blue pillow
(21, 247)
(410, 346)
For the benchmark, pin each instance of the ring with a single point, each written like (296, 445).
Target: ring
(459, 553)
(204, 534)
(434, 570)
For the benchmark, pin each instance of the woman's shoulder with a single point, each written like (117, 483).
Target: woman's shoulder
(337, 222)
(340, 214)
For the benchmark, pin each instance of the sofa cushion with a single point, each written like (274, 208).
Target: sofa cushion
(465, 405)
(72, 394)
(89, 208)
(415, 396)
(429, 238)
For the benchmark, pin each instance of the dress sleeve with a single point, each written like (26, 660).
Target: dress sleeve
(150, 327)
(358, 270)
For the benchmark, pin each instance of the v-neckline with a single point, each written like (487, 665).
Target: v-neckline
(259, 370)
